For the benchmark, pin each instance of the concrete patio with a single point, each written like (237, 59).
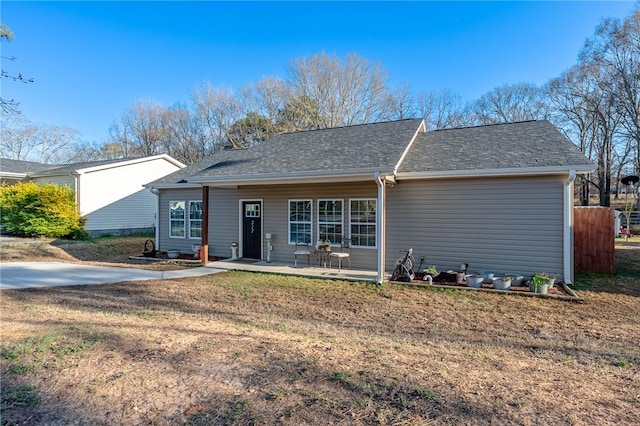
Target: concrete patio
(348, 274)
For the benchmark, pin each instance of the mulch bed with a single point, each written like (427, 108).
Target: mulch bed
(447, 281)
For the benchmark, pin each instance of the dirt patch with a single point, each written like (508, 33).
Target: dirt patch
(105, 251)
(242, 348)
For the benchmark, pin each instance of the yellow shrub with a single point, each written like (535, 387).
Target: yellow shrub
(40, 210)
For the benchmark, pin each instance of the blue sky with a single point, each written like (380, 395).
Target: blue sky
(92, 60)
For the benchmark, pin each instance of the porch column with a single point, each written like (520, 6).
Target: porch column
(204, 253)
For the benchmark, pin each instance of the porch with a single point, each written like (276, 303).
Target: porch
(348, 274)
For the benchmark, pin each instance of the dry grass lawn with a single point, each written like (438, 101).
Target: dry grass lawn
(258, 349)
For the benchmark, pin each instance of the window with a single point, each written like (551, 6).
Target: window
(195, 219)
(362, 222)
(299, 221)
(176, 219)
(330, 220)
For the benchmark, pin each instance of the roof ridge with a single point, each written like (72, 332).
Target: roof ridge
(488, 125)
(349, 126)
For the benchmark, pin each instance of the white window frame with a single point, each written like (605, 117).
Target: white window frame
(289, 222)
(184, 220)
(374, 223)
(195, 220)
(341, 222)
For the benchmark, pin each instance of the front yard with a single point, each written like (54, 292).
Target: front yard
(247, 348)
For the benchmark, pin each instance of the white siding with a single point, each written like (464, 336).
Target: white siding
(505, 225)
(114, 198)
(65, 180)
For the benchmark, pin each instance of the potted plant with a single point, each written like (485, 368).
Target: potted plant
(541, 282)
(548, 278)
(431, 270)
(501, 283)
(474, 280)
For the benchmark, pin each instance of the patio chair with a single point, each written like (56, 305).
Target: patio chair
(344, 253)
(302, 249)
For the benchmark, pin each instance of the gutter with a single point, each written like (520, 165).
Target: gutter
(324, 176)
(380, 226)
(567, 252)
(497, 172)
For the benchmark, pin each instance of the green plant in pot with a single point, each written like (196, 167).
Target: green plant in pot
(541, 282)
(431, 270)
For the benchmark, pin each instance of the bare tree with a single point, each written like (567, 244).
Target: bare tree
(22, 140)
(347, 92)
(184, 136)
(399, 103)
(443, 110)
(140, 130)
(518, 102)
(615, 50)
(10, 106)
(217, 110)
(569, 97)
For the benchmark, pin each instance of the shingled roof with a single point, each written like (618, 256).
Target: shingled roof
(337, 151)
(22, 167)
(534, 146)
(499, 147)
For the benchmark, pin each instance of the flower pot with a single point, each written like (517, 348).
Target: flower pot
(474, 281)
(539, 289)
(173, 254)
(516, 280)
(459, 277)
(551, 282)
(500, 283)
(488, 276)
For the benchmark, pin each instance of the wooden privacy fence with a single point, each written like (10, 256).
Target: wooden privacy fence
(594, 240)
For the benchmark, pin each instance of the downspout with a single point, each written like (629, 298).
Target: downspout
(380, 226)
(157, 218)
(568, 229)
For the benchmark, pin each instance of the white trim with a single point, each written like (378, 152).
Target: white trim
(173, 186)
(189, 237)
(310, 200)
(113, 165)
(241, 224)
(525, 171)
(422, 128)
(568, 229)
(333, 223)
(353, 245)
(184, 220)
(324, 176)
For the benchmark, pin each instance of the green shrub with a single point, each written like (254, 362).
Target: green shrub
(45, 210)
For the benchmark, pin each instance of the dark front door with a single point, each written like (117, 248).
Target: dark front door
(252, 229)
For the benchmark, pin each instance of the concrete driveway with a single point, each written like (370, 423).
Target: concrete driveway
(19, 275)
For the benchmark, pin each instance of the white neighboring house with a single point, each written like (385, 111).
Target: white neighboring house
(110, 194)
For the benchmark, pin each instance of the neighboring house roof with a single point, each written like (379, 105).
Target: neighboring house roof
(19, 168)
(399, 148)
(90, 166)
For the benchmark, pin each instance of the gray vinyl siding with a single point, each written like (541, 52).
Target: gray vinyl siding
(507, 225)
(225, 205)
(165, 243)
(224, 217)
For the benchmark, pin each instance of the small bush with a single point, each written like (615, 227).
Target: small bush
(33, 210)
